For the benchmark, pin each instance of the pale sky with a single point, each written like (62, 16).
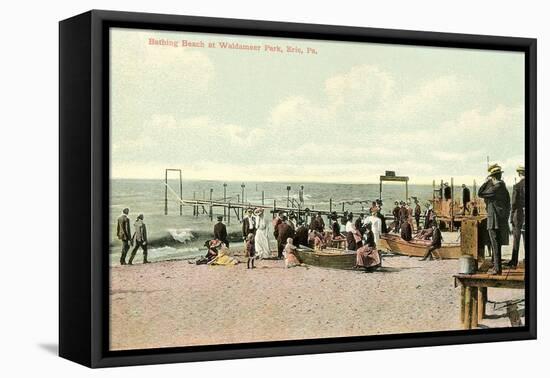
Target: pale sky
(345, 114)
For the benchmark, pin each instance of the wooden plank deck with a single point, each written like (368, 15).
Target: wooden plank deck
(473, 297)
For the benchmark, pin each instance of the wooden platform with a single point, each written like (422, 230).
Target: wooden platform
(473, 296)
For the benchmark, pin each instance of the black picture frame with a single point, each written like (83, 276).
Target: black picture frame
(84, 186)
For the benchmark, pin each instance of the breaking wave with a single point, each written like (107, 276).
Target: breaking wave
(182, 235)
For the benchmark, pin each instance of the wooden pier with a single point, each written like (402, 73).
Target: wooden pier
(237, 209)
(231, 209)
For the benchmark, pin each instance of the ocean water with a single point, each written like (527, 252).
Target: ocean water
(181, 237)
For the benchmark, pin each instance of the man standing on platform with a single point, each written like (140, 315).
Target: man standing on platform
(124, 234)
(465, 198)
(447, 192)
(497, 200)
(518, 215)
(220, 232)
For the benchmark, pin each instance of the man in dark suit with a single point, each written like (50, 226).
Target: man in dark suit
(320, 223)
(497, 200)
(284, 231)
(465, 198)
(249, 224)
(380, 215)
(447, 192)
(395, 213)
(139, 239)
(301, 235)
(518, 215)
(417, 214)
(276, 221)
(124, 234)
(435, 244)
(314, 224)
(220, 231)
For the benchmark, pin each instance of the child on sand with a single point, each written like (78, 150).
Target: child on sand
(291, 259)
(250, 251)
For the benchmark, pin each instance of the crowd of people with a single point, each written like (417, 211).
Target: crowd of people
(360, 233)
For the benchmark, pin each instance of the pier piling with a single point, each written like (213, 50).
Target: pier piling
(166, 189)
(224, 200)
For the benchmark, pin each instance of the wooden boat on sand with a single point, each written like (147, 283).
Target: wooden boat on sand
(328, 258)
(417, 248)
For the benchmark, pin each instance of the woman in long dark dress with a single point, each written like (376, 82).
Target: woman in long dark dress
(367, 254)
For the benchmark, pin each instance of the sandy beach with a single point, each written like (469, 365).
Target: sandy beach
(174, 303)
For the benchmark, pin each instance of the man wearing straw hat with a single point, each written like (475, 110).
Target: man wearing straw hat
(518, 215)
(497, 200)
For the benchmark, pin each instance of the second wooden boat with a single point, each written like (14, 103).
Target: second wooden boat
(395, 244)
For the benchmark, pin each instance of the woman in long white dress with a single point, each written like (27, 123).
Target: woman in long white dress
(261, 242)
(376, 225)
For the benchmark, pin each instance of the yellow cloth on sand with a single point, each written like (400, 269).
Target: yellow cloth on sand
(223, 258)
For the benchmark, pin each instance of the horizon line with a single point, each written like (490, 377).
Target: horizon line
(292, 181)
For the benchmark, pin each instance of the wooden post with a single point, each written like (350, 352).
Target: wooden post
(452, 211)
(482, 300)
(263, 197)
(343, 207)
(211, 212)
(181, 195)
(380, 196)
(330, 205)
(274, 207)
(224, 200)
(242, 199)
(462, 303)
(288, 188)
(229, 213)
(407, 190)
(474, 310)
(468, 308)
(166, 192)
